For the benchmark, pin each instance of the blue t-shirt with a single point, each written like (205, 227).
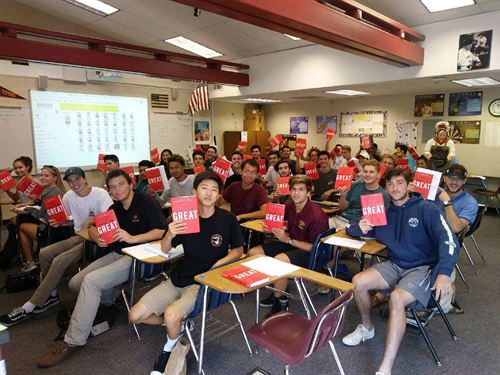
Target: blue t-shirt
(465, 205)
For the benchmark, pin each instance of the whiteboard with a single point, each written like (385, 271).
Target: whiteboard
(16, 137)
(172, 131)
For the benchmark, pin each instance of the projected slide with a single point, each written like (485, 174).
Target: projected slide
(72, 129)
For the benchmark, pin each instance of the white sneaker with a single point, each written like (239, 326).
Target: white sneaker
(360, 334)
(30, 266)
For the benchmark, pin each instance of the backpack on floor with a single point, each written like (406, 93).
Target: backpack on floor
(20, 281)
(9, 250)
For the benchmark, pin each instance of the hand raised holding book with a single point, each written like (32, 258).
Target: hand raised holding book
(281, 235)
(123, 236)
(176, 227)
(365, 226)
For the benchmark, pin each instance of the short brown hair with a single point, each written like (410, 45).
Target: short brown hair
(176, 158)
(346, 147)
(373, 163)
(388, 156)
(301, 179)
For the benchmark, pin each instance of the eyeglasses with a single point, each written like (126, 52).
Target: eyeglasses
(246, 171)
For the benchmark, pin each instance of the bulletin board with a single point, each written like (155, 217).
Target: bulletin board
(171, 131)
(353, 124)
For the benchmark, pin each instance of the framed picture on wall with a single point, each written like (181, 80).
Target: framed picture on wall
(201, 130)
(429, 105)
(467, 132)
(474, 51)
(465, 103)
(323, 123)
(299, 125)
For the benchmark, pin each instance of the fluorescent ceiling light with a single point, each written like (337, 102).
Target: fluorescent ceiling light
(439, 5)
(193, 47)
(482, 81)
(347, 92)
(94, 6)
(292, 37)
(263, 100)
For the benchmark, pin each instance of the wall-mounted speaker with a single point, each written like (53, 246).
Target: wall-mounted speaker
(43, 82)
(175, 94)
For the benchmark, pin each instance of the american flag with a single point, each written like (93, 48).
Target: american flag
(159, 100)
(199, 99)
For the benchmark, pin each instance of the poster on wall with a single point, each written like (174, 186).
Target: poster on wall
(465, 103)
(474, 51)
(289, 140)
(299, 125)
(201, 129)
(355, 124)
(467, 132)
(406, 133)
(323, 123)
(429, 105)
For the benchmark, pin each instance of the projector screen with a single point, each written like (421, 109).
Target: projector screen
(71, 129)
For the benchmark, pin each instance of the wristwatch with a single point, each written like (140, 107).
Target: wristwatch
(446, 203)
(290, 241)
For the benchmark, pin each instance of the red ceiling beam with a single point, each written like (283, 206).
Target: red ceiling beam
(103, 54)
(353, 28)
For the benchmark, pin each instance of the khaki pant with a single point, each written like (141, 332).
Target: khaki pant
(54, 261)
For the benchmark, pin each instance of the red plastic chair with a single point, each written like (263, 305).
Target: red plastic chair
(492, 196)
(292, 338)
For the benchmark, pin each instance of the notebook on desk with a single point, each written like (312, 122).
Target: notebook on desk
(149, 250)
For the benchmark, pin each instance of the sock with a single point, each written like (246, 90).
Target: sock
(169, 345)
(53, 293)
(28, 307)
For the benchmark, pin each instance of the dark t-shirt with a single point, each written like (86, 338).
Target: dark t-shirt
(326, 182)
(353, 212)
(218, 233)
(143, 215)
(231, 179)
(308, 223)
(244, 201)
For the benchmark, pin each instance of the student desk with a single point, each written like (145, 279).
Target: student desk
(214, 279)
(371, 247)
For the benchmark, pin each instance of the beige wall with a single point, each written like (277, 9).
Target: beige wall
(478, 158)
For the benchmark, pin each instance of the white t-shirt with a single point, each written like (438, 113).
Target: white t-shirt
(83, 208)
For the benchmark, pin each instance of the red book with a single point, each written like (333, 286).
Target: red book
(344, 177)
(275, 216)
(283, 185)
(101, 165)
(277, 140)
(106, 225)
(130, 171)
(247, 157)
(329, 133)
(300, 144)
(246, 276)
(242, 146)
(403, 163)
(155, 155)
(157, 178)
(426, 182)
(373, 208)
(311, 171)
(262, 166)
(351, 163)
(198, 168)
(221, 167)
(413, 153)
(6, 180)
(185, 209)
(30, 187)
(365, 142)
(55, 210)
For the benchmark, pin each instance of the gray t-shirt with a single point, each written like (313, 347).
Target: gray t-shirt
(353, 212)
(177, 189)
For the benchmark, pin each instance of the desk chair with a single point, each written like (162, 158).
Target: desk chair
(420, 322)
(481, 210)
(274, 333)
(460, 238)
(217, 328)
(492, 196)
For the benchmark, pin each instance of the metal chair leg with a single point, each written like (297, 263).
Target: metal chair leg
(426, 338)
(127, 305)
(445, 318)
(241, 326)
(470, 258)
(478, 248)
(457, 267)
(337, 359)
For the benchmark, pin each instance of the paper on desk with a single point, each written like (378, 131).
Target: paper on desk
(27, 208)
(271, 266)
(144, 251)
(345, 242)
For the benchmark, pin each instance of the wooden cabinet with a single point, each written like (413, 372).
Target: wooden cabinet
(254, 120)
(232, 138)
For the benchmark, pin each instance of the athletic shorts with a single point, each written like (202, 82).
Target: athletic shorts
(297, 256)
(166, 294)
(415, 281)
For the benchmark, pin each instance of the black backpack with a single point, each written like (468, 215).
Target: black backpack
(9, 250)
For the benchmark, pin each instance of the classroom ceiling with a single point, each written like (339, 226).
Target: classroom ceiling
(150, 22)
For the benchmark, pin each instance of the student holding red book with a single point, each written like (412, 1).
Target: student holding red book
(283, 168)
(174, 299)
(141, 220)
(23, 166)
(28, 222)
(306, 221)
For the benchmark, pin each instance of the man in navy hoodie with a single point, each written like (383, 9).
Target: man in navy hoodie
(419, 240)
